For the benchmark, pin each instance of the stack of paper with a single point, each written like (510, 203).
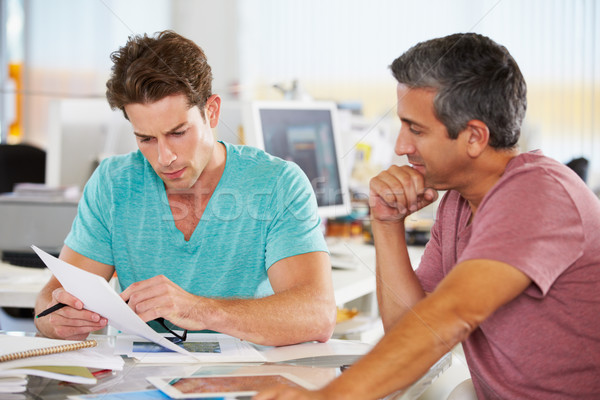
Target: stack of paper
(71, 366)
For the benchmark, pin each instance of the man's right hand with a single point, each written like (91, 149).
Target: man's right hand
(398, 192)
(71, 322)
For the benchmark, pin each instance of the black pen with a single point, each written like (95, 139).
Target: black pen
(55, 307)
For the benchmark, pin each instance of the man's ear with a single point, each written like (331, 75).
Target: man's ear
(213, 109)
(477, 136)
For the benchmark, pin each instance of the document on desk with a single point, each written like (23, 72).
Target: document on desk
(217, 347)
(97, 296)
(206, 347)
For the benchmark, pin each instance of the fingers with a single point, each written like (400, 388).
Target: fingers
(60, 295)
(70, 322)
(155, 297)
(430, 195)
(398, 192)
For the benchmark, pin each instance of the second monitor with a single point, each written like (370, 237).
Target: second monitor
(307, 134)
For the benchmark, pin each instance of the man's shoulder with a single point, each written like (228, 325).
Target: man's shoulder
(259, 163)
(534, 171)
(534, 162)
(123, 169)
(121, 162)
(254, 155)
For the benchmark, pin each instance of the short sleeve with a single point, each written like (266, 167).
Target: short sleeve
(294, 226)
(90, 233)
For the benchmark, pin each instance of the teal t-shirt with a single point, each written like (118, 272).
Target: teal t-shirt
(262, 210)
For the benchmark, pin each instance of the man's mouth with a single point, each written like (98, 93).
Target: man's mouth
(418, 166)
(175, 174)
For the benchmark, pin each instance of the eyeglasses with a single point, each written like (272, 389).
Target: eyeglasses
(178, 338)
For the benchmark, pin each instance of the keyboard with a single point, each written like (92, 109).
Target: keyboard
(24, 259)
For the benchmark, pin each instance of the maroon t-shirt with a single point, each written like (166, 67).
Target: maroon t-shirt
(541, 219)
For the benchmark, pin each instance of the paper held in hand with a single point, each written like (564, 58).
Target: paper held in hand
(97, 296)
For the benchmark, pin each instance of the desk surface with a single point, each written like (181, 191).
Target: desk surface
(133, 377)
(19, 286)
(352, 283)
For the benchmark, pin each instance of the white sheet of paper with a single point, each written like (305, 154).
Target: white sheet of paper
(97, 296)
(332, 348)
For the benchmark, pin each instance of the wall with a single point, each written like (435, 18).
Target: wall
(337, 49)
(341, 49)
(68, 44)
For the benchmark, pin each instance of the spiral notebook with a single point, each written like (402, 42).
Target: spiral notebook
(65, 360)
(18, 347)
(27, 351)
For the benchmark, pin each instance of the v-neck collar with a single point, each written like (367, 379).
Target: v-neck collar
(197, 235)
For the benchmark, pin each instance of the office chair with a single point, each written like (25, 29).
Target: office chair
(21, 163)
(580, 166)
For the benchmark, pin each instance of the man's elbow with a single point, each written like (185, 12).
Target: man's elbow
(325, 323)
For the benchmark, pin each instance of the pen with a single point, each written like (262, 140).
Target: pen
(55, 307)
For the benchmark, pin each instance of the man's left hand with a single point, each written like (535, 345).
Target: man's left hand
(160, 297)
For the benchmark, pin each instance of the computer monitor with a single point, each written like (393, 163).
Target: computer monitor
(307, 134)
(81, 133)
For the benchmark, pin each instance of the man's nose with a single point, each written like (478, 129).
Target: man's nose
(166, 155)
(404, 144)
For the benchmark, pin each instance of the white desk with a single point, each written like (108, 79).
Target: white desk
(352, 283)
(316, 370)
(19, 286)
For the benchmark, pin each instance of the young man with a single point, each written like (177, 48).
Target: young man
(204, 234)
(513, 265)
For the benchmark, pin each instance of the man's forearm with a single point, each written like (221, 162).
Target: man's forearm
(398, 288)
(293, 316)
(420, 338)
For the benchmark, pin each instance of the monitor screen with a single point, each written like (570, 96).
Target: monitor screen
(307, 134)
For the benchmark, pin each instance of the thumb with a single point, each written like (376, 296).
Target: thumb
(430, 195)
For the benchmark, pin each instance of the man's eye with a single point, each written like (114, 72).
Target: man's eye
(415, 131)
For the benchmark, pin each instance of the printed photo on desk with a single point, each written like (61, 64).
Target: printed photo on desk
(203, 347)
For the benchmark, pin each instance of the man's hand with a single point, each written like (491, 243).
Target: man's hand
(398, 192)
(160, 297)
(71, 322)
(283, 392)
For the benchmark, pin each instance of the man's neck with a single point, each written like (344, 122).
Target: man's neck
(488, 171)
(208, 179)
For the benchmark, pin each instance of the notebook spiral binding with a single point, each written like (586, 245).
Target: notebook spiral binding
(48, 350)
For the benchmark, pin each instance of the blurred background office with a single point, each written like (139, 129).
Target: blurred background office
(56, 51)
(54, 62)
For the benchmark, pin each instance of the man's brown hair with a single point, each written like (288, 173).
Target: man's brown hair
(148, 69)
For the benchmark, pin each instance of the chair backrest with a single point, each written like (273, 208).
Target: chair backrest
(21, 163)
(580, 166)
